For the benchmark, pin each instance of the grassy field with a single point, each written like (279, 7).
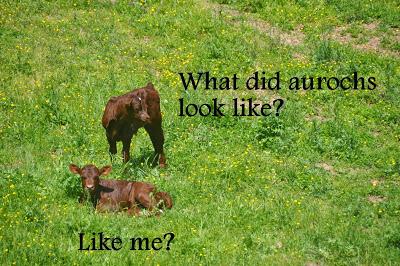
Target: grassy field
(318, 185)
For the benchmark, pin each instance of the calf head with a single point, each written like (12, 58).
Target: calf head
(90, 175)
(139, 107)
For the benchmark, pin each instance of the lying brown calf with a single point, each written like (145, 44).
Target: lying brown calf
(125, 114)
(117, 195)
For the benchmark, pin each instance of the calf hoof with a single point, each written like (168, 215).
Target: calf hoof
(126, 158)
(162, 161)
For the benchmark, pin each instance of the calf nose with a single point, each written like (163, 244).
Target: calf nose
(144, 116)
(90, 186)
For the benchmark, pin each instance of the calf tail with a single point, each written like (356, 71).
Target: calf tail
(163, 200)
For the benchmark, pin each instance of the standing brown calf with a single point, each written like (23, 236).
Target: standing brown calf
(117, 195)
(125, 114)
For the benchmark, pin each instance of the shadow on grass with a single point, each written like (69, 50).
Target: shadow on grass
(138, 166)
(148, 158)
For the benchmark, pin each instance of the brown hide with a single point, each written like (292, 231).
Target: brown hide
(117, 195)
(125, 114)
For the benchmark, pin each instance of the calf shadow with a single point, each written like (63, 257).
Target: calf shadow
(137, 166)
(148, 158)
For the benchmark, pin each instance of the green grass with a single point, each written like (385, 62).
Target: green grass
(289, 14)
(289, 190)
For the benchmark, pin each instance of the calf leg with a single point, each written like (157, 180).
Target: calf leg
(157, 138)
(126, 146)
(82, 198)
(133, 208)
(112, 148)
(106, 205)
(145, 200)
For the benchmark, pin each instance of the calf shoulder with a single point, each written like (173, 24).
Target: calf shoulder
(117, 108)
(117, 190)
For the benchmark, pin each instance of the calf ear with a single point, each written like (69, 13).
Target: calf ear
(105, 170)
(75, 169)
(136, 103)
(150, 85)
